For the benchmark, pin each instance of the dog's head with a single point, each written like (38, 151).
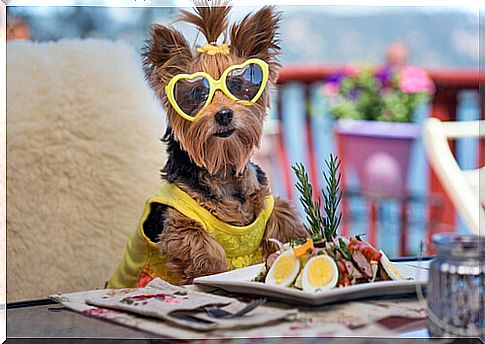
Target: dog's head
(218, 129)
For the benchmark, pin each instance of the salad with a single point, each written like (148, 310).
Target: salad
(325, 260)
(316, 266)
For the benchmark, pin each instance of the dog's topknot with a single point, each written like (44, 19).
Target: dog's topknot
(211, 18)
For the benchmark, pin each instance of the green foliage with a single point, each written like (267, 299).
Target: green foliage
(344, 249)
(312, 209)
(320, 226)
(383, 94)
(332, 196)
(359, 236)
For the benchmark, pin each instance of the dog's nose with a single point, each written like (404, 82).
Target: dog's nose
(224, 116)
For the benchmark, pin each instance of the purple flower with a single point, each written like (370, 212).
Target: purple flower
(384, 75)
(335, 78)
(354, 94)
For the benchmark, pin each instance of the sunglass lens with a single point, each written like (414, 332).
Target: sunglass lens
(191, 95)
(245, 83)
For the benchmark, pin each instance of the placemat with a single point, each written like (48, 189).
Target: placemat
(358, 318)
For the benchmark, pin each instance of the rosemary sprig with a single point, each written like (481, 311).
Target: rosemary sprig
(321, 226)
(359, 236)
(344, 249)
(332, 197)
(312, 209)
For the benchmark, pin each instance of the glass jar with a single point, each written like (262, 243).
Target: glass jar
(455, 288)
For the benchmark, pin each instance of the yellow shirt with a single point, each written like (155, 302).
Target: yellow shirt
(142, 260)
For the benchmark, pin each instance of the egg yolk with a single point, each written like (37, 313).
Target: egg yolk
(320, 272)
(283, 268)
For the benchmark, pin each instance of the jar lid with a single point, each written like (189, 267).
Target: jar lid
(460, 245)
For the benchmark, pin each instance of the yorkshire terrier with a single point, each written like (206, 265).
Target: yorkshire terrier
(214, 211)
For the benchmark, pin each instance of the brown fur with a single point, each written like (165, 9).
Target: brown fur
(209, 151)
(256, 36)
(226, 206)
(191, 252)
(235, 189)
(211, 18)
(164, 56)
(282, 225)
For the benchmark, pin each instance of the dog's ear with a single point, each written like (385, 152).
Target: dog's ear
(166, 53)
(256, 36)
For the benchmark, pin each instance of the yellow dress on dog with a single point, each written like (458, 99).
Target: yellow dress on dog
(142, 260)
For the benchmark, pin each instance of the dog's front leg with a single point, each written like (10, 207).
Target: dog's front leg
(283, 224)
(191, 252)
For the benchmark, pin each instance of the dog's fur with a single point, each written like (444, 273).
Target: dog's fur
(215, 171)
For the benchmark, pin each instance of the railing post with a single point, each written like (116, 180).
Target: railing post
(481, 147)
(281, 151)
(312, 165)
(344, 204)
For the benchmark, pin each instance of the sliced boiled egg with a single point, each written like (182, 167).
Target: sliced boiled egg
(320, 273)
(389, 268)
(298, 280)
(284, 270)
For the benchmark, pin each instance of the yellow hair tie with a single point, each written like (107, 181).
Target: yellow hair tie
(210, 49)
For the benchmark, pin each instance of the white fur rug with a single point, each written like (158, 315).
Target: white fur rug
(83, 154)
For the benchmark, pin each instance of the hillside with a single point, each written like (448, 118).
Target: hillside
(439, 39)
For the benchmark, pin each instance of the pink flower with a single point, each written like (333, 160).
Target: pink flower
(351, 71)
(102, 312)
(331, 89)
(172, 301)
(415, 80)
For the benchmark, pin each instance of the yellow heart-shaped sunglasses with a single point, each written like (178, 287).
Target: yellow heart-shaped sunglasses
(244, 83)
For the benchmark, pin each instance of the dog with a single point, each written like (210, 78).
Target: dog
(215, 210)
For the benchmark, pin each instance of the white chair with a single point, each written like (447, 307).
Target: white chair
(462, 186)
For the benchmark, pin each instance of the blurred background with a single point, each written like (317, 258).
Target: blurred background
(436, 36)
(317, 42)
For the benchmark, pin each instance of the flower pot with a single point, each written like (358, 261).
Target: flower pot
(379, 153)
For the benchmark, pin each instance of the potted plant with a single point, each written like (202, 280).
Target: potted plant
(375, 128)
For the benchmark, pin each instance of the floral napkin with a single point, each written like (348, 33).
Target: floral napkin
(184, 307)
(356, 318)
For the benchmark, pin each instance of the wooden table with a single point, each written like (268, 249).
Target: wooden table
(401, 317)
(54, 321)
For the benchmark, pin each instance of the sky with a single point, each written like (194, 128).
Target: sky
(464, 5)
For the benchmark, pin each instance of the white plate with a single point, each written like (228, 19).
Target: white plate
(239, 281)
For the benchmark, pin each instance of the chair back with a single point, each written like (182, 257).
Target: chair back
(462, 186)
